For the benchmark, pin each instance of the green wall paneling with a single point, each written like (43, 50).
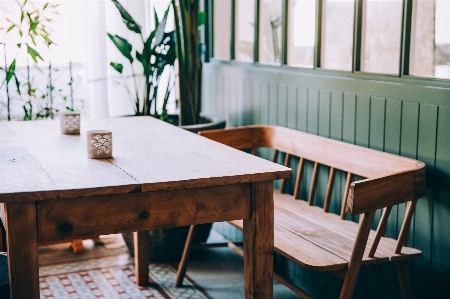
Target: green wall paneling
(324, 113)
(265, 109)
(426, 150)
(302, 108)
(282, 107)
(246, 107)
(256, 102)
(410, 117)
(348, 125)
(440, 263)
(312, 116)
(291, 107)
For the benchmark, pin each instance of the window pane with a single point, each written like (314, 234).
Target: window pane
(430, 39)
(222, 29)
(270, 31)
(381, 36)
(337, 34)
(301, 32)
(244, 30)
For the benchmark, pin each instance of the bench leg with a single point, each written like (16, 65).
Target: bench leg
(181, 272)
(403, 278)
(358, 251)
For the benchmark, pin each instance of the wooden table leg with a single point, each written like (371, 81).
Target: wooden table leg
(141, 257)
(258, 243)
(23, 262)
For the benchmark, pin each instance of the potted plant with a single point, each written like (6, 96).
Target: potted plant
(167, 244)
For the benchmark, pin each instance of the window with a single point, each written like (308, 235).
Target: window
(430, 39)
(244, 30)
(222, 29)
(386, 37)
(381, 36)
(301, 32)
(337, 34)
(270, 23)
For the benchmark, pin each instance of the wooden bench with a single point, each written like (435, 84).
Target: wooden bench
(313, 237)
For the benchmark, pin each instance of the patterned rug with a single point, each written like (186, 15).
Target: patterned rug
(112, 277)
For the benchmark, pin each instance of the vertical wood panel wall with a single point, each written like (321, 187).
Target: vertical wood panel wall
(411, 120)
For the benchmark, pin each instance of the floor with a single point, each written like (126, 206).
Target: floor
(219, 271)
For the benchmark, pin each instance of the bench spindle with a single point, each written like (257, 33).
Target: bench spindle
(381, 230)
(344, 200)
(298, 179)
(312, 188)
(326, 205)
(275, 156)
(404, 231)
(287, 158)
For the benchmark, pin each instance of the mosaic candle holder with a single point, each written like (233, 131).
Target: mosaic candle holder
(70, 122)
(99, 144)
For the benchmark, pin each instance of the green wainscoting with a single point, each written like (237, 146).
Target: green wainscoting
(410, 117)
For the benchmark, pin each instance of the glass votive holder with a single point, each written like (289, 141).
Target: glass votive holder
(99, 144)
(69, 122)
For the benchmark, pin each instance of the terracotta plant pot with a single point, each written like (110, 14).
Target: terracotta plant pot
(166, 244)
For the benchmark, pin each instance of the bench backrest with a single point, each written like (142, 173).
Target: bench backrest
(388, 179)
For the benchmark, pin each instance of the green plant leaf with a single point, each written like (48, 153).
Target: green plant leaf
(201, 19)
(11, 28)
(45, 6)
(159, 34)
(22, 16)
(32, 40)
(123, 45)
(34, 54)
(117, 66)
(156, 18)
(11, 70)
(127, 18)
(17, 84)
(47, 39)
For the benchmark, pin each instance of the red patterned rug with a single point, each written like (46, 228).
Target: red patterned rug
(111, 278)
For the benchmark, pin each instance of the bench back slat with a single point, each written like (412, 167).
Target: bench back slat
(287, 159)
(381, 230)
(312, 188)
(326, 205)
(298, 178)
(344, 198)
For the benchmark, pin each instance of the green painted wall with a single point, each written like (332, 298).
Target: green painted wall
(402, 116)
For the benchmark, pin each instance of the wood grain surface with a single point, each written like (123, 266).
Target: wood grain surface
(38, 162)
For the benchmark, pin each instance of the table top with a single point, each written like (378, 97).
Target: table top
(37, 162)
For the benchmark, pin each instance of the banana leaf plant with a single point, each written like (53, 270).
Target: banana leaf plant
(157, 52)
(188, 19)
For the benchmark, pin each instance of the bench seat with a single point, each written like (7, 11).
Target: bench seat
(320, 242)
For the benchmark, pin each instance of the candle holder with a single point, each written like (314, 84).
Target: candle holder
(70, 122)
(99, 144)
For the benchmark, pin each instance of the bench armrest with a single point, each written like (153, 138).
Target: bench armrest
(372, 194)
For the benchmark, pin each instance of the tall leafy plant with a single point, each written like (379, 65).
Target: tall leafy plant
(31, 26)
(188, 19)
(157, 52)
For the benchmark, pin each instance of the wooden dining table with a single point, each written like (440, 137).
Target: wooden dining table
(159, 176)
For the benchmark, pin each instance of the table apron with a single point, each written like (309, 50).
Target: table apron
(81, 217)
